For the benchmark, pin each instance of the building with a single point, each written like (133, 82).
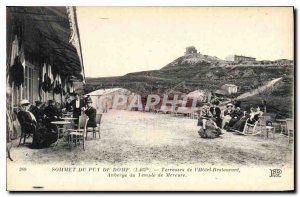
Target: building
(103, 98)
(46, 43)
(240, 58)
(229, 88)
(190, 50)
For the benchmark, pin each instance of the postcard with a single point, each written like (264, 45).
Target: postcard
(150, 98)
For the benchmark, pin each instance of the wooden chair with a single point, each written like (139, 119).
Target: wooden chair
(248, 126)
(77, 135)
(290, 128)
(95, 129)
(265, 129)
(25, 134)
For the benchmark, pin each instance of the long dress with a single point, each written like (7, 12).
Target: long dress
(210, 132)
(239, 125)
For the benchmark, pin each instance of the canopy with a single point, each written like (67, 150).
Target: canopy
(51, 34)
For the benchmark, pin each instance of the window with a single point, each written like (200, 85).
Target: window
(28, 84)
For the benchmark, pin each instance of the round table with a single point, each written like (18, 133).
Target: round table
(69, 118)
(63, 123)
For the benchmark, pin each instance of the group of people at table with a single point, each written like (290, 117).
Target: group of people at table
(213, 120)
(38, 119)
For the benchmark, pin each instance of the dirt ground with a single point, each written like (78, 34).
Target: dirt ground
(143, 138)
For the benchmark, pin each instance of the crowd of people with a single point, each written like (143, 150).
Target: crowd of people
(36, 119)
(213, 121)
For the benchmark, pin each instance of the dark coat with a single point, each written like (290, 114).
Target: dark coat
(77, 111)
(226, 112)
(217, 112)
(51, 111)
(237, 114)
(216, 115)
(37, 112)
(28, 125)
(91, 113)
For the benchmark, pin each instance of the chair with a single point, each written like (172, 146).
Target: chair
(248, 126)
(26, 131)
(77, 135)
(290, 128)
(265, 129)
(95, 129)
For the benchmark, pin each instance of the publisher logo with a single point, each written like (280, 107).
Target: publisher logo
(275, 172)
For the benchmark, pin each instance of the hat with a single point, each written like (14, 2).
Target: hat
(38, 102)
(229, 104)
(89, 100)
(24, 102)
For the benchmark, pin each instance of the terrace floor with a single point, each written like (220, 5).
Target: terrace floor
(143, 138)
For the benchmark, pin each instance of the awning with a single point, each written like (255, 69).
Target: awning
(51, 34)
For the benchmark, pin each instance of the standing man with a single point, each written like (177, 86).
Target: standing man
(216, 113)
(77, 104)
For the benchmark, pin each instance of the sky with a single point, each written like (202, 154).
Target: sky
(119, 40)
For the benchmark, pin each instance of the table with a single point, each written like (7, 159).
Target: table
(62, 123)
(71, 120)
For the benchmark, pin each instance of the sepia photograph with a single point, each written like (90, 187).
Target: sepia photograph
(150, 98)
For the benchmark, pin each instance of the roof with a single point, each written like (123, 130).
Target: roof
(196, 94)
(244, 56)
(101, 92)
(221, 92)
(230, 85)
(51, 34)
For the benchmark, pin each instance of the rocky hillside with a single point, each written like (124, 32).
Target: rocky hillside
(197, 71)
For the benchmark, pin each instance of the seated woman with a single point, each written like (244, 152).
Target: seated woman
(27, 120)
(227, 116)
(251, 118)
(236, 116)
(208, 128)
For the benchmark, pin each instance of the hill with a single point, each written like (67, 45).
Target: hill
(196, 71)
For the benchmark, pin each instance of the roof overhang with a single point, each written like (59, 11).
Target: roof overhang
(51, 34)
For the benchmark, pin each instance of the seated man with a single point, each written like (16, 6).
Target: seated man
(27, 120)
(90, 111)
(51, 113)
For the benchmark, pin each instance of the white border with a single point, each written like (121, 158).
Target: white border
(111, 3)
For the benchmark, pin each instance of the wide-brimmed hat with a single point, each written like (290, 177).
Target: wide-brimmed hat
(229, 104)
(24, 102)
